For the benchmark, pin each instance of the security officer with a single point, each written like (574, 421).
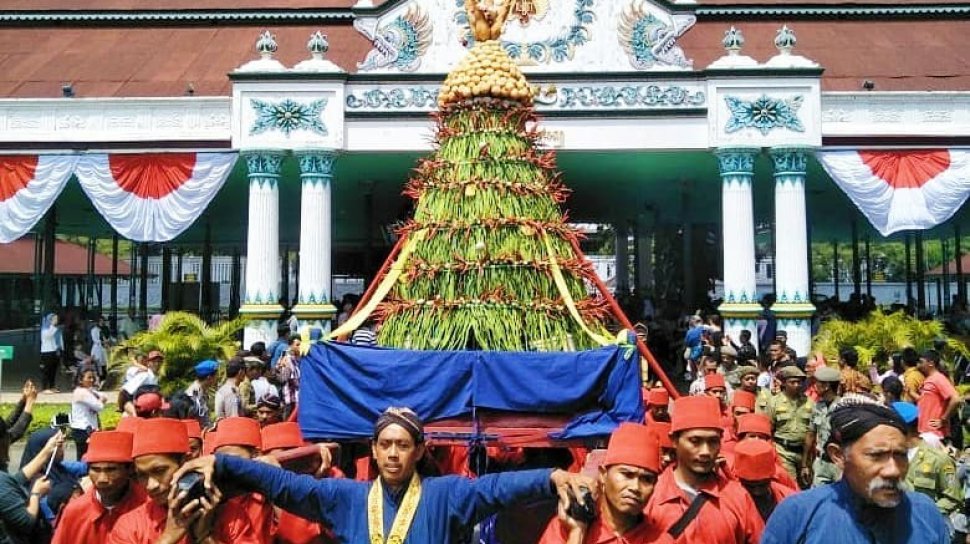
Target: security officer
(931, 471)
(817, 468)
(790, 412)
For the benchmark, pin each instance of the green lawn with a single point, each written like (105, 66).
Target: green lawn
(44, 413)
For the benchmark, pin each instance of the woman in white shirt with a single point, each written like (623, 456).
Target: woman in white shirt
(99, 355)
(85, 407)
(51, 346)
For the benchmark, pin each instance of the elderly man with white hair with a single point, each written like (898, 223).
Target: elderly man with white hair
(869, 504)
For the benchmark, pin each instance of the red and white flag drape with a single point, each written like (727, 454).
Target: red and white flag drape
(29, 184)
(153, 197)
(902, 189)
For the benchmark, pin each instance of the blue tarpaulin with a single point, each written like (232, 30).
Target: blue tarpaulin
(344, 388)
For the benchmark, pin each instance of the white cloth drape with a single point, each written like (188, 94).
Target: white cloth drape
(902, 190)
(159, 195)
(29, 184)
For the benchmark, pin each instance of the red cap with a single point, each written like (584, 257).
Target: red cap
(209, 443)
(743, 399)
(128, 424)
(285, 435)
(754, 423)
(237, 431)
(633, 444)
(658, 396)
(700, 412)
(109, 447)
(193, 428)
(160, 435)
(661, 432)
(149, 402)
(754, 460)
(154, 355)
(714, 380)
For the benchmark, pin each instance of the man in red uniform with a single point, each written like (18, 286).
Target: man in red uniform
(195, 438)
(89, 518)
(248, 518)
(660, 432)
(158, 449)
(290, 528)
(626, 481)
(757, 427)
(693, 501)
(754, 463)
(657, 401)
(742, 403)
(715, 386)
(937, 400)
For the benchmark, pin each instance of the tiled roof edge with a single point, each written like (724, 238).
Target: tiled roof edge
(808, 10)
(194, 16)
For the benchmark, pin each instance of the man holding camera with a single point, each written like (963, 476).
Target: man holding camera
(159, 449)
(626, 481)
(401, 505)
(89, 518)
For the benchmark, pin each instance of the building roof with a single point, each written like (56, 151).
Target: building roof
(17, 257)
(951, 267)
(139, 61)
(138, 5)
(852, 51)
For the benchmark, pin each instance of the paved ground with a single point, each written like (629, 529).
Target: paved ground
(17, 449)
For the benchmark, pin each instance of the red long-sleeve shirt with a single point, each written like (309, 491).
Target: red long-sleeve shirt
(86, 521)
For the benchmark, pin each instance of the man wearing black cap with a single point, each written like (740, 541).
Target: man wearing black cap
(401, 506)
(869, 504)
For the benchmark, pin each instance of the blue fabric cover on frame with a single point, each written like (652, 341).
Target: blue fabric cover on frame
(344, 388)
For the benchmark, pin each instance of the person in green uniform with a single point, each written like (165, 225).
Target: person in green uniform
(790, 412)
(931, 471)
(817, 468)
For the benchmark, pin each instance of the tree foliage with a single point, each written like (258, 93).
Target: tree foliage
(882, 332)
(184, 339)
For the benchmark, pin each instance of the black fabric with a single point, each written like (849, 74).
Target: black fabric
(681, 525)
(403, 417)
(850, 422)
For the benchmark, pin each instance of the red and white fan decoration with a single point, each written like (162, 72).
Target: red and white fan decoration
(29, 184)
(152, 197)
(902, 189)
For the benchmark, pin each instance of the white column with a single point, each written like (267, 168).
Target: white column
(260, 303)
(793, 305)
(740, 308)
(314, 307)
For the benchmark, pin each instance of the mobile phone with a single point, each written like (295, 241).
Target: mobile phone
(61, 420)
(194, 484)
(582, 508)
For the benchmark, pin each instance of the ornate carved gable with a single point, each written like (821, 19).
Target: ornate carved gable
(425, 36)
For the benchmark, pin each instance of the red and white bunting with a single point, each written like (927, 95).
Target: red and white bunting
(153, 197)
(29, 184)
(902, 189)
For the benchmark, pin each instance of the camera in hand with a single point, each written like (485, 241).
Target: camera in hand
(62, 421)
(582, 508)
(194, 484)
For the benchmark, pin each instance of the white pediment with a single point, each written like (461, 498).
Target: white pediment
(544, 36)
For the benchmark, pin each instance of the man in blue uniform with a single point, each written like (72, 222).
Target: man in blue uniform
(400, 507)
(869, 504)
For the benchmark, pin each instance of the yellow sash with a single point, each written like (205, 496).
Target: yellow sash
(403, 519)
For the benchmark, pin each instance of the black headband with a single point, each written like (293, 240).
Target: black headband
(851, 422)
(406, 418)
